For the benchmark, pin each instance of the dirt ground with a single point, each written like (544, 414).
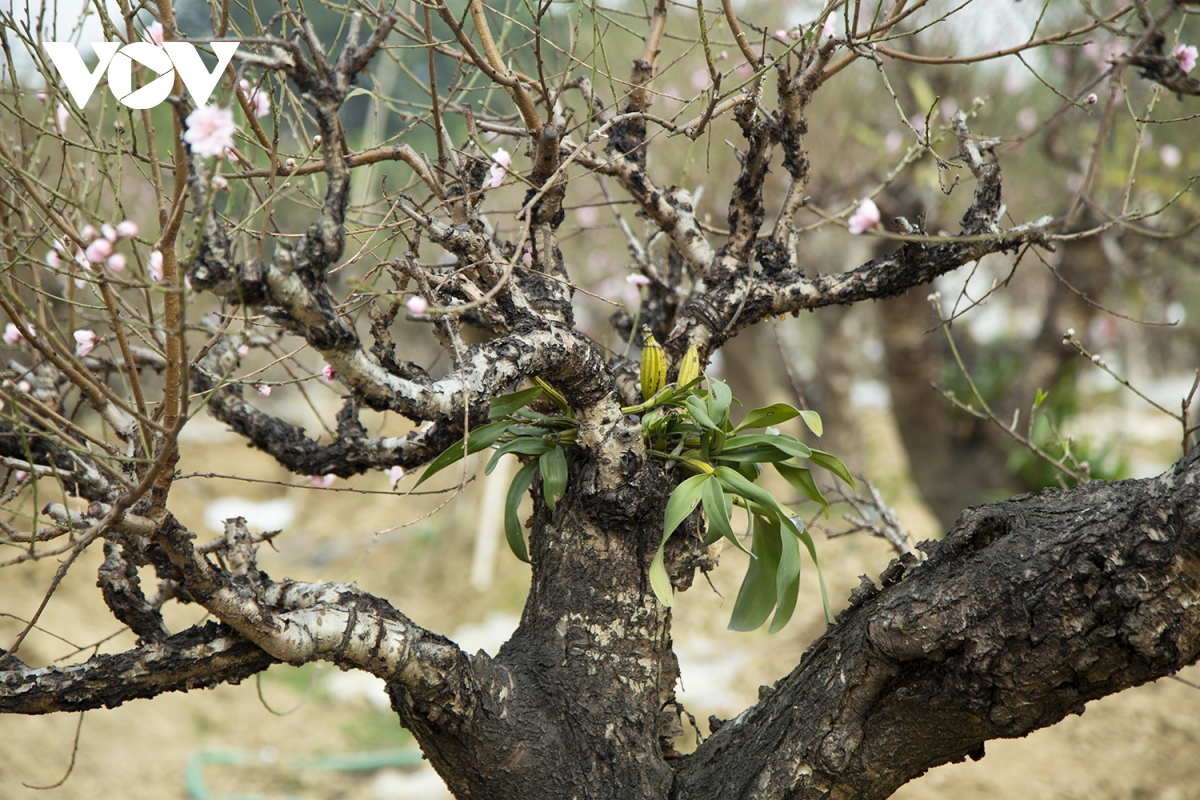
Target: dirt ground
(290, 730)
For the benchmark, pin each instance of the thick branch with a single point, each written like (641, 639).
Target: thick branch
(1028, 610)
(197, 658)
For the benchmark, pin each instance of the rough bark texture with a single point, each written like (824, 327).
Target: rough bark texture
(1025, 612)
(572, 702)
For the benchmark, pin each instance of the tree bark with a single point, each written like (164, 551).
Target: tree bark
(574, 701)
(1025, 612)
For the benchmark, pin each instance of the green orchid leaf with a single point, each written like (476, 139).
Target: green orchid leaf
(507, 404)
(718, 507)
(756, 598)
(733, 481)
(787, 583)
(796, 526)
(522, 445)
(762, 454)
(479, 439)
(513, 529)
(833, 464)
(793, 445)
(660, 582)
(553, 464)
(801, 479)
(781, 442)
(699, 412)
(813, 420)
(680, 504)
(683, 502)
(719, 400)
(771, 415)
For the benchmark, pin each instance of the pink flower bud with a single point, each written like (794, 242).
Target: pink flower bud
(416, 305)
(323, 481)
(244, 350)
(116, 262)
(127, 229)
(394, 474)
(219, 183)
(864, 217)
(108, 232)
(98, 251)
(263, 390)
(85, 340)
(637, 280)
(88, 232)
(12, 335)
(328, 373)
(53, 260)
(156, 264)
(1091, 99)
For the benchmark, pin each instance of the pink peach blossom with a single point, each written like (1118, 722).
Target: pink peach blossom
(258, 99)
(156, 266)
(263, 390)
(864, 217)
(53, 260)
(155, 33)
(1186, 55)
(323, 481)
(85, 340)
(12, 335)
(637, 280)
(328, 373)
(98, 251)
(209, 130)
(219, 183)
(394, 474)
(502, 163)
